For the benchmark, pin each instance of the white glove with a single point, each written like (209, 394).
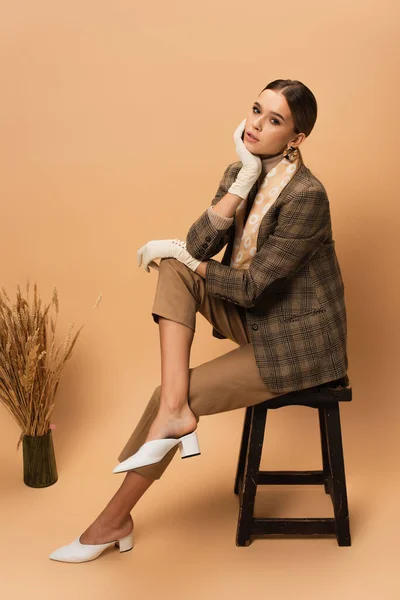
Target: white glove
(165, 249)
(252, 166)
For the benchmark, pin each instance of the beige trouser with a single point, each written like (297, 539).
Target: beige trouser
(225, 383)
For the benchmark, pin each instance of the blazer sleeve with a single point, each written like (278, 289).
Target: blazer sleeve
(303, 224)
(208, 235)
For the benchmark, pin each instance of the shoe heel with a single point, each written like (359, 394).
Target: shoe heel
(189, 445)
(125, 543)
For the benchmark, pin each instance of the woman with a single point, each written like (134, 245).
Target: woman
(278, 293)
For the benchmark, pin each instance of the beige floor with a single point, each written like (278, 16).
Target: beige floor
(186, 524)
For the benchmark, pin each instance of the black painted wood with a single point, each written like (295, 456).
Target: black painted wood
(243, 450)
(326, 399)
(336, 459)
(291, 477)
(294, 527)
(324, 449)
(250, 475)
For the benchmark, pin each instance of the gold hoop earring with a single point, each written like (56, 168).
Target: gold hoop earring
(291, 153)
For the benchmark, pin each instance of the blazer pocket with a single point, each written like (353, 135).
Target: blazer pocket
(288, 318)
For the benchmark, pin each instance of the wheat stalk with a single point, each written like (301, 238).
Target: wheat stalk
(30, 370)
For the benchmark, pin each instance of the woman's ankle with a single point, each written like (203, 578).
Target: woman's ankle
(174, 407)
(115, 522)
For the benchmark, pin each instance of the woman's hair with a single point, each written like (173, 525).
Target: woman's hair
(301, 101)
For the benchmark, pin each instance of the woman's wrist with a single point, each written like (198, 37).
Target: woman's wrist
(227, 206)
(219, 221)
(201, 269)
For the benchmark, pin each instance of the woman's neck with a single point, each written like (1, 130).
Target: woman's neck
(270, 162)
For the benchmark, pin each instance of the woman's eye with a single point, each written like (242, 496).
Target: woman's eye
(276, 122)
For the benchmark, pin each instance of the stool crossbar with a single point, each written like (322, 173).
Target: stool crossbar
(325, 398)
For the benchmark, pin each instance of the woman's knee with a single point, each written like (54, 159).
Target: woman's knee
(168, 262)
(173, 263)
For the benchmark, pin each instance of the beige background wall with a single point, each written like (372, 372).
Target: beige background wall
(116, 125)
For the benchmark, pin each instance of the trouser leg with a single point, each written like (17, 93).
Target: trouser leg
(225, 383)
(180, 293)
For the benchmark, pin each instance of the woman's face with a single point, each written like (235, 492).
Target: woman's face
(270, 121)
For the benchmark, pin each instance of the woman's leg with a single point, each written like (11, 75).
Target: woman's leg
(228, 382)
(167, 414)
(115, 521)
(179, 295)
(174, 417)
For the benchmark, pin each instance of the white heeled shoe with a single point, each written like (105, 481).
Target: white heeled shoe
(153, 451)
(78, 552)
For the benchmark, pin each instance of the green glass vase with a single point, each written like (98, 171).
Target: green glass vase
(40, 469)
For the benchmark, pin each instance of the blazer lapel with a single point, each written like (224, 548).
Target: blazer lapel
(268, 219)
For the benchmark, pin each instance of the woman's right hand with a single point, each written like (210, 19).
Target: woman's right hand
(251, 169)
(171, 248)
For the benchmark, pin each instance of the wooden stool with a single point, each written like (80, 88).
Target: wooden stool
(325, 398)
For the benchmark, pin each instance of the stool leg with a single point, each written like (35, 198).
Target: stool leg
(250, 475)
(243, 449)
(324, 448)
(339, 495)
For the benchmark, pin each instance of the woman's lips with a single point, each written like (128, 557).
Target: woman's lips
(250, 138)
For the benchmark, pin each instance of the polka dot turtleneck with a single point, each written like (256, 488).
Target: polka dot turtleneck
(270, 163)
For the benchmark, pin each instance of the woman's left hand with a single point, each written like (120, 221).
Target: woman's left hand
(251, 165)
(165, 249)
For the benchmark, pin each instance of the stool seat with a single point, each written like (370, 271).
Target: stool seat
(338, 390)
(325, 398)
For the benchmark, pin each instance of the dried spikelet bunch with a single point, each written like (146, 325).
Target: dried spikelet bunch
(29, 367)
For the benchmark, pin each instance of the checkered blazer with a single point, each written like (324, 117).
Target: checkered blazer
(292, 295)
